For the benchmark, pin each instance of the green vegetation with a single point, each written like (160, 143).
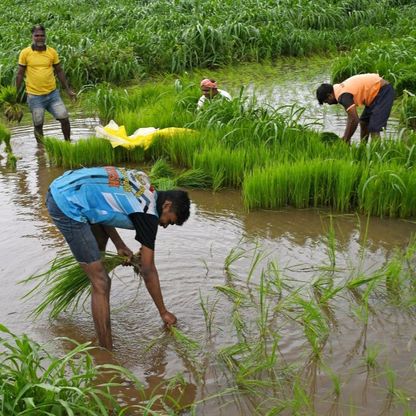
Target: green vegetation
(5, 137)
(35, 382)
(174, 36)
(269, 305)
(392, 59)
(267, 153)
(89, 152)
(408, 110)
(9, 103)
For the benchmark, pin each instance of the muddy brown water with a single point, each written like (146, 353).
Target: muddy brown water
(190, 260)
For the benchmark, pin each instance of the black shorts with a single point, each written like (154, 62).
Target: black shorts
(377, 114)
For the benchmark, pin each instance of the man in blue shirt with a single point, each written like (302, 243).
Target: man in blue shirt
(87, 204)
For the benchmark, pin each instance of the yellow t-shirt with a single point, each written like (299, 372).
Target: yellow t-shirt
(40, 77)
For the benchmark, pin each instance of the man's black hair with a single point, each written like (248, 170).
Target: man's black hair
(180, 203)
(38, 27)
(323, 91)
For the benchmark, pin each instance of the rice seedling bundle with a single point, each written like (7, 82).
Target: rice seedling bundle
(67, 284)
(9, 103)
(5, 137)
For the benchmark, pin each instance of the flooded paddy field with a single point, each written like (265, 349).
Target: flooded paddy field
(352, 355)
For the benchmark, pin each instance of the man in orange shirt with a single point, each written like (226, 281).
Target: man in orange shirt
(40, 63)
(370, 90)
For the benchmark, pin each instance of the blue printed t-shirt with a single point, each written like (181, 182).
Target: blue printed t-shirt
(111, 196)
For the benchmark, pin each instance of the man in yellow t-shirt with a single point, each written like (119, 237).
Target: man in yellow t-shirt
(370, 90)
(40, 63)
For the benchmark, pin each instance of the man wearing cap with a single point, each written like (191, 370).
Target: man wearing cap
(210, 90)
(39, 63)
(370, 90)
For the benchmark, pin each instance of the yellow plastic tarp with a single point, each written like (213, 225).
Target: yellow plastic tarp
(142, 137)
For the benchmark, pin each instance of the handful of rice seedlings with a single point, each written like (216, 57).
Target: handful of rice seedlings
(329, 137)
(9, 102)
(67, 284)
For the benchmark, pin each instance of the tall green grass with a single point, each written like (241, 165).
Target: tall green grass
(175, 37)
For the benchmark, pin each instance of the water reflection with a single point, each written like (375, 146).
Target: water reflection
(191, 262)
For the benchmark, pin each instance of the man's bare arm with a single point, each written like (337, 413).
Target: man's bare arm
(151, 279)
(19, 77)
(352, 124)
(62, 79)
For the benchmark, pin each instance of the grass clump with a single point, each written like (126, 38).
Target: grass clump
(67, 284)
(9, 103)
(5, 137)
(35, 382)
(408, 110)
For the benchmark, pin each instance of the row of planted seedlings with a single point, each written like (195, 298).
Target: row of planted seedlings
(271, 307)
(177, 36)
(266, 152)
(322, 310)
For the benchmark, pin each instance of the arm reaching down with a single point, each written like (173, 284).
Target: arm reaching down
(151, 279)
(352, 123)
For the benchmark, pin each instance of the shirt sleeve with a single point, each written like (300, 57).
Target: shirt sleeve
(146, 228)
(55, 56)
(201, 102)
(346, 100)
(23, 58)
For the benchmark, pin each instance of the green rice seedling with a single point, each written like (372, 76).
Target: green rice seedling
(235, 254)
(164, 184)
(314, 324)
(382, 190)
(234, 295)
(371, 354)
(67, 284)
(179, 149)
(36, 382)
(408, 110)
(329, 137)
(336, 380)
(393, 272)
(161, 169)
(5, 137)
(88, 152)
(11, 160)
(106, 101)
(218, 159)
(331, 243)
(12, 109)
(184, 340)
(123, 155)
(208, 311)
(194, 178)
(53, 150)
